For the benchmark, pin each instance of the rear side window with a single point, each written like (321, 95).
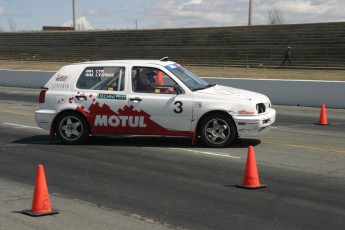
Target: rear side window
(111, 78)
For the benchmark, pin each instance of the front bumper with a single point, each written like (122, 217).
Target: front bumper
(254, 125)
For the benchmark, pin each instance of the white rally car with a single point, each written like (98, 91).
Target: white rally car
(147, 97)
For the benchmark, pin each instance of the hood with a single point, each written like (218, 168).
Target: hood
(225, 91)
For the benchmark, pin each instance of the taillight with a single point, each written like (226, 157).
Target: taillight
(42, 97)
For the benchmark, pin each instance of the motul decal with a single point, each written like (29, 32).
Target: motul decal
(122, 121)
(103, 120)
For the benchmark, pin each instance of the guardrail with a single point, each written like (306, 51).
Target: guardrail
(284, 92)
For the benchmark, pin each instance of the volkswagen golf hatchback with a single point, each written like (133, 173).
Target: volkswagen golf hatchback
(147, 97)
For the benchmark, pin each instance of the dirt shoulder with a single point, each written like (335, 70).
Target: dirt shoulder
(202, 71)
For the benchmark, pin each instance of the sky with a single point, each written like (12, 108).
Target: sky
(28, 15)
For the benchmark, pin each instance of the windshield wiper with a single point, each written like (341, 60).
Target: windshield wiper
(208, 86)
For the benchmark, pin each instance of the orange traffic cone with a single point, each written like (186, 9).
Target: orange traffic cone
(251, 177)
(41, 202)
(159, 78)
(323, 116)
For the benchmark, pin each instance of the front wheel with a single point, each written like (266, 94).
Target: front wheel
(218, 130)
(71, 128)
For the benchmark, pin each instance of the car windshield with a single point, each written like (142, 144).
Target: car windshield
(192, 81)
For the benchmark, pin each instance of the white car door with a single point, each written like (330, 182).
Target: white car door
(165, 111)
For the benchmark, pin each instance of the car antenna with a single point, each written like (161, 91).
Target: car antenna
(164, 59)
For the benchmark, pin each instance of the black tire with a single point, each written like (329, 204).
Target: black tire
(71, 128)
(218, 130)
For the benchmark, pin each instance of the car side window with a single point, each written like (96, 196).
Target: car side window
(111, 78)
(151, 80)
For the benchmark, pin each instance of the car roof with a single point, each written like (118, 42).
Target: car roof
(132, 62)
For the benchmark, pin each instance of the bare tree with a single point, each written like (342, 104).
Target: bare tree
(275, 17)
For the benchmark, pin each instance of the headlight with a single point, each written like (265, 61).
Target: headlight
(261, 108)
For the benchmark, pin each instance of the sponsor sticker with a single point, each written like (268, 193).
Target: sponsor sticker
(112, 96)
(245, 112)
(61, 78)
(172, 66)
(89, 73)
(60, 86)
(198, 104)
(60, 99)
(98, 73)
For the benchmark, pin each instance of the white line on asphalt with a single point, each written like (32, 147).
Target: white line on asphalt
(303, 125)
(208, 153)
(21, 126)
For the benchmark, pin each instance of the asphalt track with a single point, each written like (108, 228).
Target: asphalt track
(193, 187)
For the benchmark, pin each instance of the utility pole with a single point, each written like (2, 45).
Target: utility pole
(250, 13)
(73, 15)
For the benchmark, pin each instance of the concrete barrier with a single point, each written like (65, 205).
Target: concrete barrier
(284, 92)
(24, 78)
(292, 92)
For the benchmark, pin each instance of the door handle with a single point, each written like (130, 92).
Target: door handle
(82, 96)
(135, 99)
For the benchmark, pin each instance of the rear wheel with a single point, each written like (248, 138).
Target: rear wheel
(71, 128)
(218, 130)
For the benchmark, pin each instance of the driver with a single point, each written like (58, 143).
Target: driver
(146, 81)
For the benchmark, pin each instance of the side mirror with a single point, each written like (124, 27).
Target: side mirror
(178, 89)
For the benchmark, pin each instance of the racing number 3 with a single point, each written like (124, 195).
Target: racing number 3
(179, 108)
